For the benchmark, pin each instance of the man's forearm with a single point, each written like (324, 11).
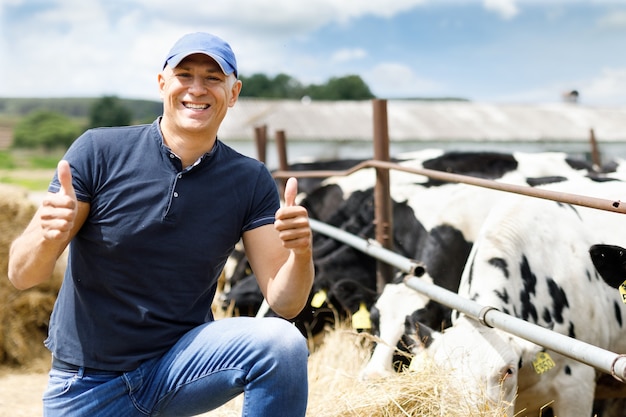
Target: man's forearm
(32, 259)
(291, 287)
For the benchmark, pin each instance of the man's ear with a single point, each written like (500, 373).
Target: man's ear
(161, 83)
(234, 93)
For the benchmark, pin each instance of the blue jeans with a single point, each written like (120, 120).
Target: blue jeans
(263, 358)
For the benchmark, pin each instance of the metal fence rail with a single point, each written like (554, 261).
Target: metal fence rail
(601, 359)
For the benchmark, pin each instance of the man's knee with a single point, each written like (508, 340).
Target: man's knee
(284, 336)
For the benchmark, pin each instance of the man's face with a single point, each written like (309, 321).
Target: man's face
(196, 95)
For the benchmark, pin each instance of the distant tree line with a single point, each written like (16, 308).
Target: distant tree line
(283, 86)
(55, 123)
(76, 107)
(49, 130)
(45, 129)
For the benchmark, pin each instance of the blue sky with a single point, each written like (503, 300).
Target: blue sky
(501, 51)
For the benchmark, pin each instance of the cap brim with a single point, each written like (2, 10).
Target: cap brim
(174, 60)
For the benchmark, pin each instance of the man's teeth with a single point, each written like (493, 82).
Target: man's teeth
(196, 106)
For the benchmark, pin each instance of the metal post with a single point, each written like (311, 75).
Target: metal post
(260, 138)
(281, 148)
(595, 152)
(382, 196)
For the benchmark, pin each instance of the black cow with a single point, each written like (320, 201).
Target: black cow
(345, 278)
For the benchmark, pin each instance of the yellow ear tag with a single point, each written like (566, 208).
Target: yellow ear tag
(361, 319)
(543, 363)
(318, 299)
(622, 291)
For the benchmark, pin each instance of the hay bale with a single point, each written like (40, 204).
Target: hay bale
(335, 389)
(25, 314)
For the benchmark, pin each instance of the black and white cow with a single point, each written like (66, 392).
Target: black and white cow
(531, 261)
(460, 213)
(442, 255)
(453, 214)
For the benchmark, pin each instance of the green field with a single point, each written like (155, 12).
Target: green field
(31, 170)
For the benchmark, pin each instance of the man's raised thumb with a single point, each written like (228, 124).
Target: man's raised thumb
(65, 178)
(291, 190)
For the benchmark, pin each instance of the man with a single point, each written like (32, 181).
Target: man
(151, 214)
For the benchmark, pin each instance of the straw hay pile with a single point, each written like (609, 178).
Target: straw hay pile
(24, 314)
(337, 391)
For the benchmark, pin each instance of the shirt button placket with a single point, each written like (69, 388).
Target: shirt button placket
(178, 177)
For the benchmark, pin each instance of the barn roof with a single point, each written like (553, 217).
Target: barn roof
(413, 120)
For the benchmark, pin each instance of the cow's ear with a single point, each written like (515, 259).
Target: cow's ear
(422, 356)
(425, 334)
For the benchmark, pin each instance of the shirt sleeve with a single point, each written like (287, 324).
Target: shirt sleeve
(80, 156)
(265, 201)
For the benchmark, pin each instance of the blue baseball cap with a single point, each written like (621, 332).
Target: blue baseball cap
(203, 43)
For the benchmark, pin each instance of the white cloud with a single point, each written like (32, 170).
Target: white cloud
(615, 19)
(609, 87)
(393, 80)
(347, 55)
(505, 8)
(81, 49)
(87, 47)
(277, 16)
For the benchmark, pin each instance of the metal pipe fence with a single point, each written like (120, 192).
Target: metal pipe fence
(601, 359)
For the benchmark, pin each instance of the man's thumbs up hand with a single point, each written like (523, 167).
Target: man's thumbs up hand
(58, 210)
(292, 221)
(65, 178)
(291, 190)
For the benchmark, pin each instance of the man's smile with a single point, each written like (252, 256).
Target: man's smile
(195, 106)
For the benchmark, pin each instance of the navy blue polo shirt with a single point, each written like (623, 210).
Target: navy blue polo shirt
(142, 270)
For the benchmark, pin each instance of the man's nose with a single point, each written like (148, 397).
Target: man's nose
(198, 86)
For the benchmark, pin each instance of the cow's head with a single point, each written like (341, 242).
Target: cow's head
(389, 315)
(483, 363)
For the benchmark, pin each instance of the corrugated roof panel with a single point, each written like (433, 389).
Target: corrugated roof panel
(425, 120)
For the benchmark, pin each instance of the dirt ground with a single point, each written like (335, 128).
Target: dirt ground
(20, 392)
(20, 395)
